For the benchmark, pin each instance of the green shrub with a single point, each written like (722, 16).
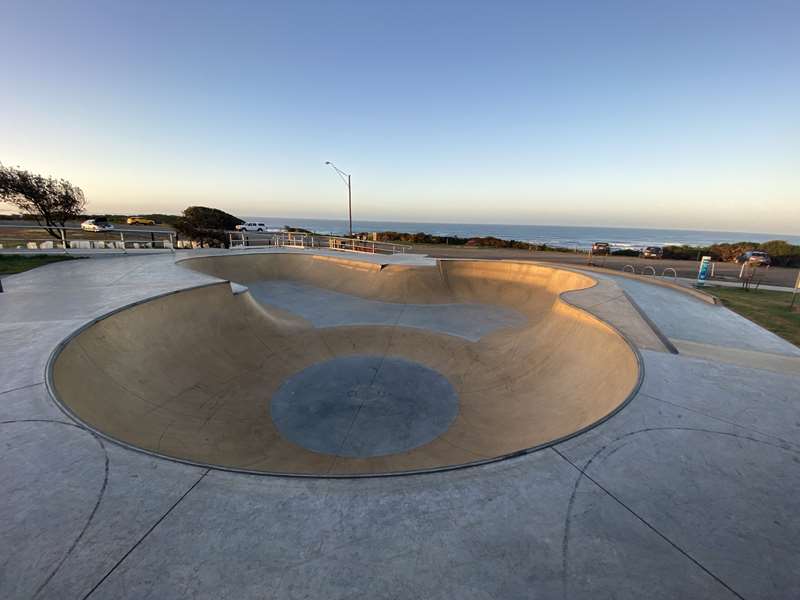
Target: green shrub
(686, 252)
(783, 253)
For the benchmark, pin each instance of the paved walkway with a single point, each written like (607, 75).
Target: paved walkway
(683, 317)
(689, 492)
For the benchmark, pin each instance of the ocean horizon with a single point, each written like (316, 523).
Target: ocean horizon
(567, 236)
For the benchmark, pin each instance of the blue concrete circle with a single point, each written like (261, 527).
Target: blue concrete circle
(364, 406)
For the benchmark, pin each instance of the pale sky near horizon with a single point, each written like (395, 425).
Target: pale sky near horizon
(609, 113)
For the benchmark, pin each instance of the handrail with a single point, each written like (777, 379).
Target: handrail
(106, 239)
(241, 240)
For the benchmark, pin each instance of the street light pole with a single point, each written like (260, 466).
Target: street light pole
(346, 178)
(350, 204)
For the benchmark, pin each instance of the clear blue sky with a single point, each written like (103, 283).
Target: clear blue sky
(664, 114)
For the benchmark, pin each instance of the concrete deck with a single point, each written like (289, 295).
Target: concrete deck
(690, 491)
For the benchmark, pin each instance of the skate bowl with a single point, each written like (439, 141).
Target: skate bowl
(330, 366)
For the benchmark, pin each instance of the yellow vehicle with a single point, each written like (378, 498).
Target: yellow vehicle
(140, 221)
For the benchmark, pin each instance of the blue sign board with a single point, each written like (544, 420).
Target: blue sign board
(704, 272)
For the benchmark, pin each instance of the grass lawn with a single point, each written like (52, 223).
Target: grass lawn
(768, 309)
(15, 263)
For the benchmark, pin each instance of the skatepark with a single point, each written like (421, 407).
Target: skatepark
(236, 424)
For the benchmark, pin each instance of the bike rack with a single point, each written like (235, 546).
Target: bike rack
(674, 272)
(626, 267)
(651, 268)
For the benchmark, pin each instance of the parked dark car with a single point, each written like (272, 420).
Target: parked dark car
(754, 258)
(653, 252)
(601, 248)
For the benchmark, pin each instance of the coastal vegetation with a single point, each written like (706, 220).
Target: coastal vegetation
(473, 242)
(51, 202)
(207, 226)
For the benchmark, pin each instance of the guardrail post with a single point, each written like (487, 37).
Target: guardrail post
(122, 239)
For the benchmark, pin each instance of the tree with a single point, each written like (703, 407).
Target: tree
(52, 202)
(206, 225)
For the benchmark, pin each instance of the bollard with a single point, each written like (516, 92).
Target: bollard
(1, 286)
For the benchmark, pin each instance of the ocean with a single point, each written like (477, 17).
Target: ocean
(552, 235)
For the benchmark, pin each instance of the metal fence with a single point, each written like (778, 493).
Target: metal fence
(242, 240)
(34, 237)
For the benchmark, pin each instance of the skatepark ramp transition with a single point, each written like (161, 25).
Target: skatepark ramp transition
(329, 366)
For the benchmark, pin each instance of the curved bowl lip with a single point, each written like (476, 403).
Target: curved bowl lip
(56, 352)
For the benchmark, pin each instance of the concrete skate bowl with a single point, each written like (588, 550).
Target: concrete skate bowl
(337, 367)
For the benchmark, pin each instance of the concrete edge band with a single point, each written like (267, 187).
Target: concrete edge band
(49, 385)
(659, 334)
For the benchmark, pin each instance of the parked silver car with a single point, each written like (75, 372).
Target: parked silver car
(754, 258)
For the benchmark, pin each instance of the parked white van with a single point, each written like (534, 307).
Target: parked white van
(252, 227)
